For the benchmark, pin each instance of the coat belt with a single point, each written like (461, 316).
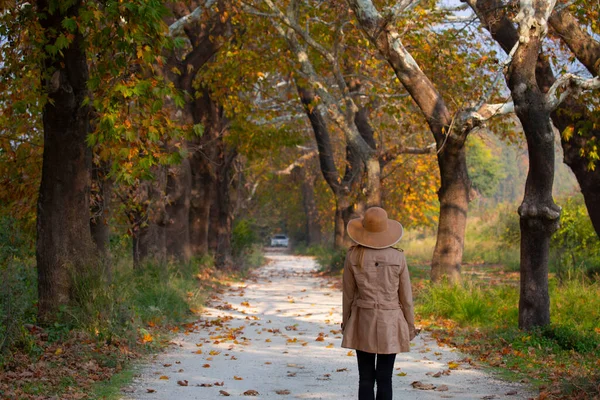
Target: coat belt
(385, 305)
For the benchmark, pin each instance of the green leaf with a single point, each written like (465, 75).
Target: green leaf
(70, 24)
(61, 42)
(198, 130)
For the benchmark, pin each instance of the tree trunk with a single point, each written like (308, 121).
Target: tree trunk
(64, 243)
(149, 224)
(312, 228)
(342, 203)
(539, 214)
(454, 203)
(179, 182)
(224, 219)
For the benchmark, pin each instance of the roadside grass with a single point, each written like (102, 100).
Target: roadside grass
(88, 352)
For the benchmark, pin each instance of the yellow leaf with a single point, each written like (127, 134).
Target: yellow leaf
(238, 378)
(164, 377)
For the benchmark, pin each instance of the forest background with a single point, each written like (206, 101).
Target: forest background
(149, 149)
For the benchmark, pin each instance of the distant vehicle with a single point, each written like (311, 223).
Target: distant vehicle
(280, 241)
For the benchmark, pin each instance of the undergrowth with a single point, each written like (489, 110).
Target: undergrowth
(109, 322)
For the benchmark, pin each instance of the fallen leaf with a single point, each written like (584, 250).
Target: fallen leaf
(422, 386)
(167, 365)
(150, 390)
(350, 353)
(453, 365)
(238, 378)
(341, 369)
(442, 388)
(163, 377)
(282, 392)
(401, 374)
(182, 383)
(329, 346)
(511, 393)
(206, 366)
(224, 393)
(250, 393)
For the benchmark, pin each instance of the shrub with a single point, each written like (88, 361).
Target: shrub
(330, 260)
(575, 245)
(243, 236)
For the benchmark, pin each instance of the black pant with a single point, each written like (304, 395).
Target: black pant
(369, 373)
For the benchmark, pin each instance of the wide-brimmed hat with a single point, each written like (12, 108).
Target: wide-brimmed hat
(375, 229)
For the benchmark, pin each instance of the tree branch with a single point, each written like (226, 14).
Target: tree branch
(573, 84)
(177, 28)
(391, 154)
(298, 163)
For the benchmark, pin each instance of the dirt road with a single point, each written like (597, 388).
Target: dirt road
(277, 336)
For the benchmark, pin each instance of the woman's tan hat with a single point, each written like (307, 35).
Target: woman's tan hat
(375, 230)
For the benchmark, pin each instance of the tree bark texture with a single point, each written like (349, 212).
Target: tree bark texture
(454, 204)
(64, 242)
(179, 184)
(539, 214)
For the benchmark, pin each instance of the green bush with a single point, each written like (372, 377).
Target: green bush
(243, 236)
(570, 337)
(329, 260)
(575, 245)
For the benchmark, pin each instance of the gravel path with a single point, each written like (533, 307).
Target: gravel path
(277, 336)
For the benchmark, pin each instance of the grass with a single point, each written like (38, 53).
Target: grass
(89, 350)
(480, 317)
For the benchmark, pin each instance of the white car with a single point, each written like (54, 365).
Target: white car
(280, 241)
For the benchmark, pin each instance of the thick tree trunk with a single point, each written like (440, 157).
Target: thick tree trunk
(149, 224)
(224, 217)
(179, 183)
(342, 203)
(454, 203)
(539, 214)
(64, 243)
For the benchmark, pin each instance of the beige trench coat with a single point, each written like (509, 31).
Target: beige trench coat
(377, 302)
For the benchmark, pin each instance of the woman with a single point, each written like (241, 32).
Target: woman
(378, 320)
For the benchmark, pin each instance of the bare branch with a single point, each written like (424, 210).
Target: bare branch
(298, 163)
(391, 154)
(489, 111)
(177, 27)
(572, 85)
